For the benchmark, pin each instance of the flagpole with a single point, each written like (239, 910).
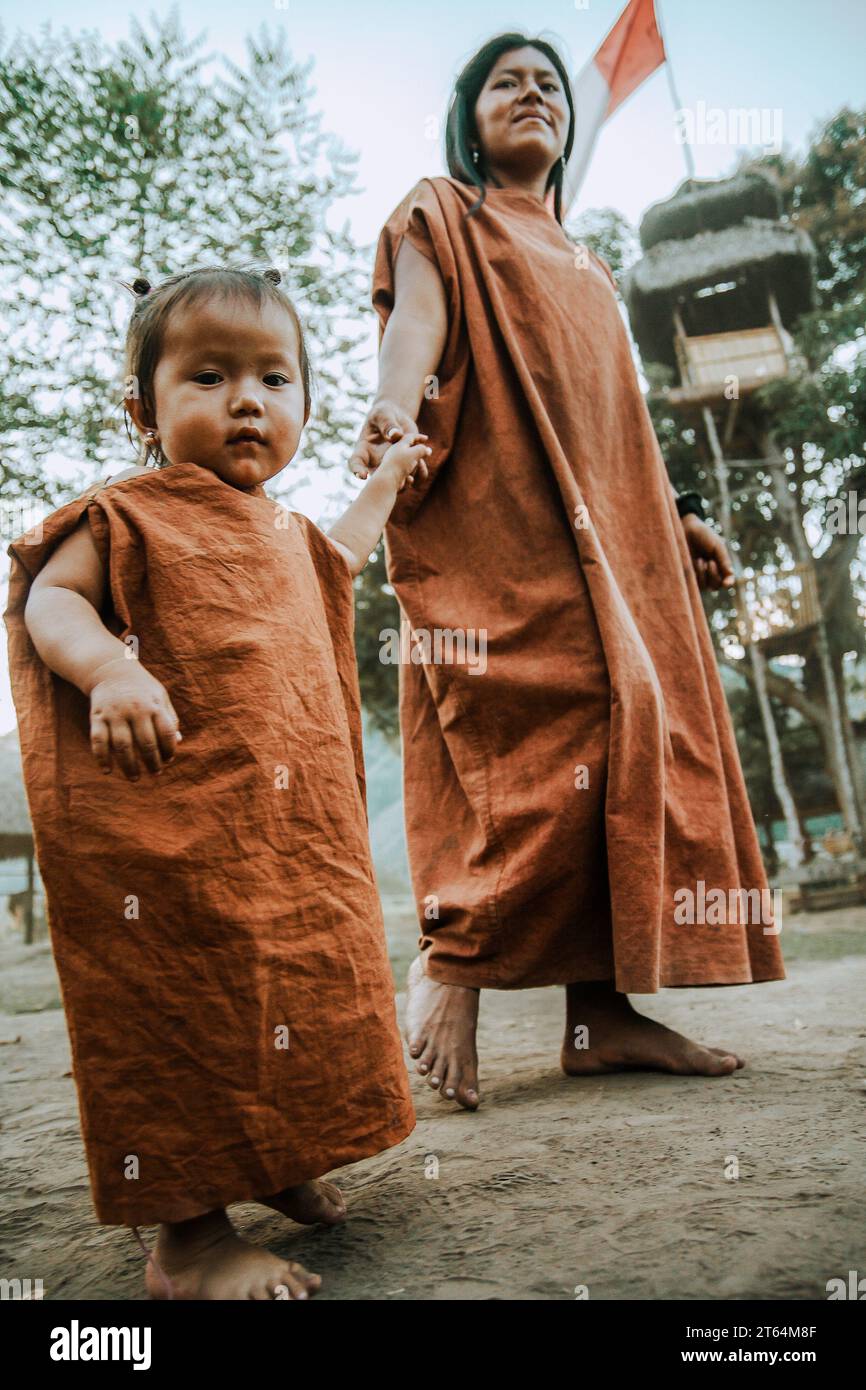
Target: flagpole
(678, 106)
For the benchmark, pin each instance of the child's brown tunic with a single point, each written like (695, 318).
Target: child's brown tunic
(217, 928)
(547, 523)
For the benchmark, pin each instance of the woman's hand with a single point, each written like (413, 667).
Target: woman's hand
(709, 554)
(131, 714)
(385, 423)
(406, 460)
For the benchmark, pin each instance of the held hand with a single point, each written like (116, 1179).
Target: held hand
(709, 554)
(406, 460)
(131, 713)
(384, 423)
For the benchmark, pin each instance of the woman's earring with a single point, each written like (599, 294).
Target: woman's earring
(562, 157)
(150, 439)
(474, 156)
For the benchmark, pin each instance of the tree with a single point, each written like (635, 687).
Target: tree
(815, 427)
(116, 162)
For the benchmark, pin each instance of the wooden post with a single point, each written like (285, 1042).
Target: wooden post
(28, 904)
(680, 338)
(776, 319)
(756, 657)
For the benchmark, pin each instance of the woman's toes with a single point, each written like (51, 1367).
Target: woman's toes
(334, 1208)
(726, 1052)
(467, 1096)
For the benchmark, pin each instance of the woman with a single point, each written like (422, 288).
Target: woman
(571, 800)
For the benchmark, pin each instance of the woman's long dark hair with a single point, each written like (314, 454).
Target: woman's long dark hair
(461, 129)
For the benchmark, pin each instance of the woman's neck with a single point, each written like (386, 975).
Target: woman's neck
(528, 183)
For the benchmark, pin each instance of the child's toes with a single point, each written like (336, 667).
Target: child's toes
(296, 1280)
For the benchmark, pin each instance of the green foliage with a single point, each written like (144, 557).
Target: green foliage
(823, 194)
(610, 235)
(137, 159)
(376, 609)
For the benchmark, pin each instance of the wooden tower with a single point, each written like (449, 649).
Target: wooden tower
(721, 283)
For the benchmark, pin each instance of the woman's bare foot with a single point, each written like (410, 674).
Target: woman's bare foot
(617, 1038)
(310, 1203)
(206, 1259)
(440, 1030)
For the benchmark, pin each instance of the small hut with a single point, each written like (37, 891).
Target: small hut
(721, 281)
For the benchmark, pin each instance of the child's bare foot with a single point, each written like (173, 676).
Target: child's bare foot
(206, 1259)
(309, 1203)
(440, 1030)
(620, 1039)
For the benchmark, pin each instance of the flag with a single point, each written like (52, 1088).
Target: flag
(631, 51)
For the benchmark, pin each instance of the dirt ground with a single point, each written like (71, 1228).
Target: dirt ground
(615, 1183)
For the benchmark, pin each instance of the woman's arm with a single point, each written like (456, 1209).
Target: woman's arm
(410, 352)
(415, 333)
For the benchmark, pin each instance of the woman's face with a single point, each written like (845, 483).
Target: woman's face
(522, 114)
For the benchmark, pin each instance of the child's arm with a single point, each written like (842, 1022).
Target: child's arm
(129, 709)
(357, 532)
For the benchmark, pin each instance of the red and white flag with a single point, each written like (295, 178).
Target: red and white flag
(628, 55)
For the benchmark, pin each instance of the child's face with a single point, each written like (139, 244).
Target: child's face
(228, 366)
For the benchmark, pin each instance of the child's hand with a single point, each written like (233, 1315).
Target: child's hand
(405, 459)
(131, 713)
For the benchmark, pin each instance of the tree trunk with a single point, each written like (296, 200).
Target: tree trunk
(855, 762)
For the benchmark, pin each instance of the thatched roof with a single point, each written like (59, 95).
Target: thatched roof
(757, 255)
(15, 830)
(710, 205)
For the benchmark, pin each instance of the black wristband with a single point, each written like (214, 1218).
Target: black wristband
(691, 502)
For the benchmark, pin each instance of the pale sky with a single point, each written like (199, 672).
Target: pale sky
(383, 72)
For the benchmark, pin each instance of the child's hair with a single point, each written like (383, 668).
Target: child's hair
(153, 308)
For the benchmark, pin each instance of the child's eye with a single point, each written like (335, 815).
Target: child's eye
(199, 377)
(280, 379)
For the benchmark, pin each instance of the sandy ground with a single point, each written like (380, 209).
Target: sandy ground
(616, 1183)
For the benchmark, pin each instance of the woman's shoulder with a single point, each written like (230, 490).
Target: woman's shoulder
(429, 193)
(445, 188)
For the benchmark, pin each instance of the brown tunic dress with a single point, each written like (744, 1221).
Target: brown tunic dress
(557, 800)
(217, 928)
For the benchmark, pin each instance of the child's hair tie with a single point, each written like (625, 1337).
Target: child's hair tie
(273, 275)
(140, 286)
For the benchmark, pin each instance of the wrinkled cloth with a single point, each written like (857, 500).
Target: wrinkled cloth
(217, 928)
(557, 801)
